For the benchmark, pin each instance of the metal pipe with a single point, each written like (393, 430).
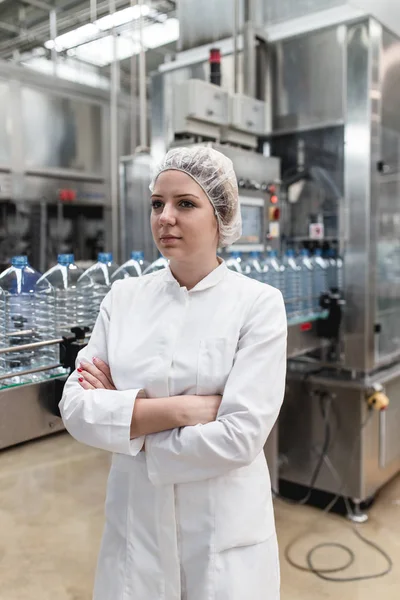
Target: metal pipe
(39, 4)
(249, 60)
(142, 84)
(29, 371)
(31, 346)
(93, 10)
(10, 28)
(19, 333)
(236, 9)
(53, 35)
(249, 49)
(43, 236)
(114, 154)
(133, 86)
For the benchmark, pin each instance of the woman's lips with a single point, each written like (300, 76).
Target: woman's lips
(169, 239)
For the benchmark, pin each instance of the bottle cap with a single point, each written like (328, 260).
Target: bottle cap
(19, 261)
(65, 259)
(104, 257)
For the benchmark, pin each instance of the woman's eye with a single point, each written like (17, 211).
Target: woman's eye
(156, 204)
(186, 204)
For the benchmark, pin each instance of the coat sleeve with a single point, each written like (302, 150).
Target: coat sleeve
(100, 418)
(250, 406)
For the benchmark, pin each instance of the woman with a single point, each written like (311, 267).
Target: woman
(189, 512)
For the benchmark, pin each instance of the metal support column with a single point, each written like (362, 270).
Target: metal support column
(114, 142)
(53, 35)
(235, 45)
(142, 84)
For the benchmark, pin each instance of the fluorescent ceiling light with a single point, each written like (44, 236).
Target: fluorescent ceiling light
(122, 16)
(160, 33)
(87, 32)
(74, 37)
(100, 52)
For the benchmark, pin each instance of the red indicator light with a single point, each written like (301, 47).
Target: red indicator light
(306, 327)
(274, 199)
(271, 188)
(67, 195)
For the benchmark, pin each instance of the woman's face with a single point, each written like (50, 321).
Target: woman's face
(183, 222)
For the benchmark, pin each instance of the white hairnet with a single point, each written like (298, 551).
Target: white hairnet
(214, 173)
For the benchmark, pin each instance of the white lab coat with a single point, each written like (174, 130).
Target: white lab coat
(191, 518)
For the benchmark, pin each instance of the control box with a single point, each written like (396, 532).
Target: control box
(248, 115)
(200, 108)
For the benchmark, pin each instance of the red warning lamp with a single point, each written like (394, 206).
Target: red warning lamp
(274, 199)
(67, 195)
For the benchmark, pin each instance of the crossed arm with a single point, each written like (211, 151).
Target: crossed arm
(152, 415)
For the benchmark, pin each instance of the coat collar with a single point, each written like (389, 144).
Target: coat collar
(211, 280)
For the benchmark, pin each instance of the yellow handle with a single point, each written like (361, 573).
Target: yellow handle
(378, 401)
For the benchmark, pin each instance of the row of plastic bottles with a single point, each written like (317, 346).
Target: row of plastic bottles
(302, 279)
(36, 307)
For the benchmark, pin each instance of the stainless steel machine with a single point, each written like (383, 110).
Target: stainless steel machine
(55, 166)
(55, 197)
(336, 114)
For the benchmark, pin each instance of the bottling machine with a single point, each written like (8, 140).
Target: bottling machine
(55, 197)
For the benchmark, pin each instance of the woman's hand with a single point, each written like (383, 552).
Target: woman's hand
(96, 376)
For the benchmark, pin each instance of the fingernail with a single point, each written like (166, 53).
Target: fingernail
(80, 379)
(94, 358)
(79, 370)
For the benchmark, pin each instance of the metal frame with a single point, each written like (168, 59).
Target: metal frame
(359, 197)
(364, 449)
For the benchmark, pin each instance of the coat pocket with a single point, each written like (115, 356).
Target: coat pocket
(243, 508)
(215, 362)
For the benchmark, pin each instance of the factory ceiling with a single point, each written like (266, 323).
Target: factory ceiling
(31, 26)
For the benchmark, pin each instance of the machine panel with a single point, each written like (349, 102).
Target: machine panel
(5, 129)
(308, 81)
(61, 132)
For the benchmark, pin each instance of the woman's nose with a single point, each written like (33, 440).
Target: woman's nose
(167, 216)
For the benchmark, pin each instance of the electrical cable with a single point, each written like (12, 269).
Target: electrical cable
(320, 462)
(325, 447)
(323, 573)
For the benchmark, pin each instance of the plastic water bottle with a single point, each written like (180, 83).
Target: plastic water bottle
(331, 269)
(306, 284)
(234, 262)
(157, 265)
(320, 280)
(139, 257)
(3, 342)
(274, 272)
(252, 268)
(339, 273)
(131, 268)
(28, 319)
(93, 285)
(63, 277)
(292, 285)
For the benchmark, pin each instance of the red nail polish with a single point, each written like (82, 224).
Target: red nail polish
(80, 379)
(79, 370)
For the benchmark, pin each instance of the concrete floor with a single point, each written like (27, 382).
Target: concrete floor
(51, 517)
